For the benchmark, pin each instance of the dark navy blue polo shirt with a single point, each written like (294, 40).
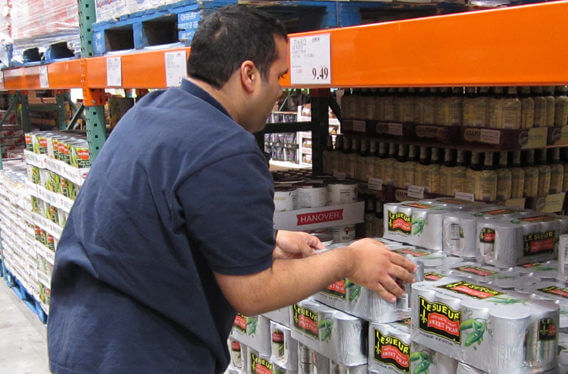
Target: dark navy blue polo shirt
(178, 191)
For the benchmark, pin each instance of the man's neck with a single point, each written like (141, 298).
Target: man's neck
(218, 94)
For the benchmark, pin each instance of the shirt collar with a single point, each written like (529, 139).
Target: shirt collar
(197, 91)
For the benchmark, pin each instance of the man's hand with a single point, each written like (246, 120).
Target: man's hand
(377, 268)
(295, 244)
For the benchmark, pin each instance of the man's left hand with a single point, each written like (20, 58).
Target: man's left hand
(295, 244)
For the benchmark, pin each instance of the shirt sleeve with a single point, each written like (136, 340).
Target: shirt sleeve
(229, 208)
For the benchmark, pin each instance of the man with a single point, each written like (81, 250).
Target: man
(172, 231)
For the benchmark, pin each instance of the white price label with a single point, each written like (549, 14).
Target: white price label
(114, 71)
(395, 129)
(176, 67)
(490, 136)
(310, 59)
(2, 79)
(416, 192)
(43, 77)
(465, 196)
(375, 184)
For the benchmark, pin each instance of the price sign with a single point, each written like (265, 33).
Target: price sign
(43, 78)
(1, 79)
(416, 192)
(176, 67)
(114, 71)
(464, 196)
(310, 59)
(375, 184)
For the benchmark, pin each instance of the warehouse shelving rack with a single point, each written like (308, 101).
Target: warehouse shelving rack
(523, 45)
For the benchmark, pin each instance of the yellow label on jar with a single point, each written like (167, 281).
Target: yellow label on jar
(531, 182)
(486, 186)
(544, 176)
(504, 184)
(517, 183)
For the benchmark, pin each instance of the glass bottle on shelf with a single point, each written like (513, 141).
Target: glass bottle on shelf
(343, 164)
(442, 109)
(407, 106)
(401, 160)
(480, 107)
(556, 172)
(468, 111)
(433, 172)
(456, 103)
(430, 106)
(564, 161)
(419, 102)
(539, 107)
(380, 161)
(544, 173)
(527, 108)
(486, 184)
(353, 157)
(531, 175)
(390, 163)
(371, 159)
(504, 178)
(445, 180)
(561, 110)
(423, 162)
(495, 108)
(472, 174)
(548, 92)
(512, 109)
(379, 104)
(361, 173)
(388, 105)
(410, 166)
(328, 156)
(517, 177)
(458, 178)
(397, 104)
(348, 101)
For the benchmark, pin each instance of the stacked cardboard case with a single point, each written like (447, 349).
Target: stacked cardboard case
(56, 167)
(17, 233)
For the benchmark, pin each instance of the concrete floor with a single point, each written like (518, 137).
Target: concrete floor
(23, 348)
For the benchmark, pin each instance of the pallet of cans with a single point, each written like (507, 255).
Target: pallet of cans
(487, 328)
(497, 236)
(329, 332)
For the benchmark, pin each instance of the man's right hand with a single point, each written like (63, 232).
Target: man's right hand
(374, 266)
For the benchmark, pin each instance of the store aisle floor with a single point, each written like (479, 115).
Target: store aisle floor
(23, 348)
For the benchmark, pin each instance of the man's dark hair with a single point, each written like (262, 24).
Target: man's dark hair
(230, 36)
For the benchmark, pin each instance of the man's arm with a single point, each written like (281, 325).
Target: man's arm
(366, 262)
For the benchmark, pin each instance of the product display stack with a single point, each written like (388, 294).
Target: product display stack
(57, 165)
(17, 232)
(490, 297)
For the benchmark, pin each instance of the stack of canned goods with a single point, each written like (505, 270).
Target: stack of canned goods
(495, 235)
(297, 190)
(72, 150)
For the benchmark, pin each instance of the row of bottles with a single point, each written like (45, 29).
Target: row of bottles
(489, 176)
(496, 107)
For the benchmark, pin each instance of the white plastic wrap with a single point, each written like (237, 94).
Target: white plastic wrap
(108, 10)
(41, 23)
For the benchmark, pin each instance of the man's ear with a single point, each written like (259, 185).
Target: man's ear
(249, 75)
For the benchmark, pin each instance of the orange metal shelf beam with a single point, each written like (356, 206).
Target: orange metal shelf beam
(510, 46)
(524, 45)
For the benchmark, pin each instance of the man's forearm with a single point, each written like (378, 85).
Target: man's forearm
(286, 282)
